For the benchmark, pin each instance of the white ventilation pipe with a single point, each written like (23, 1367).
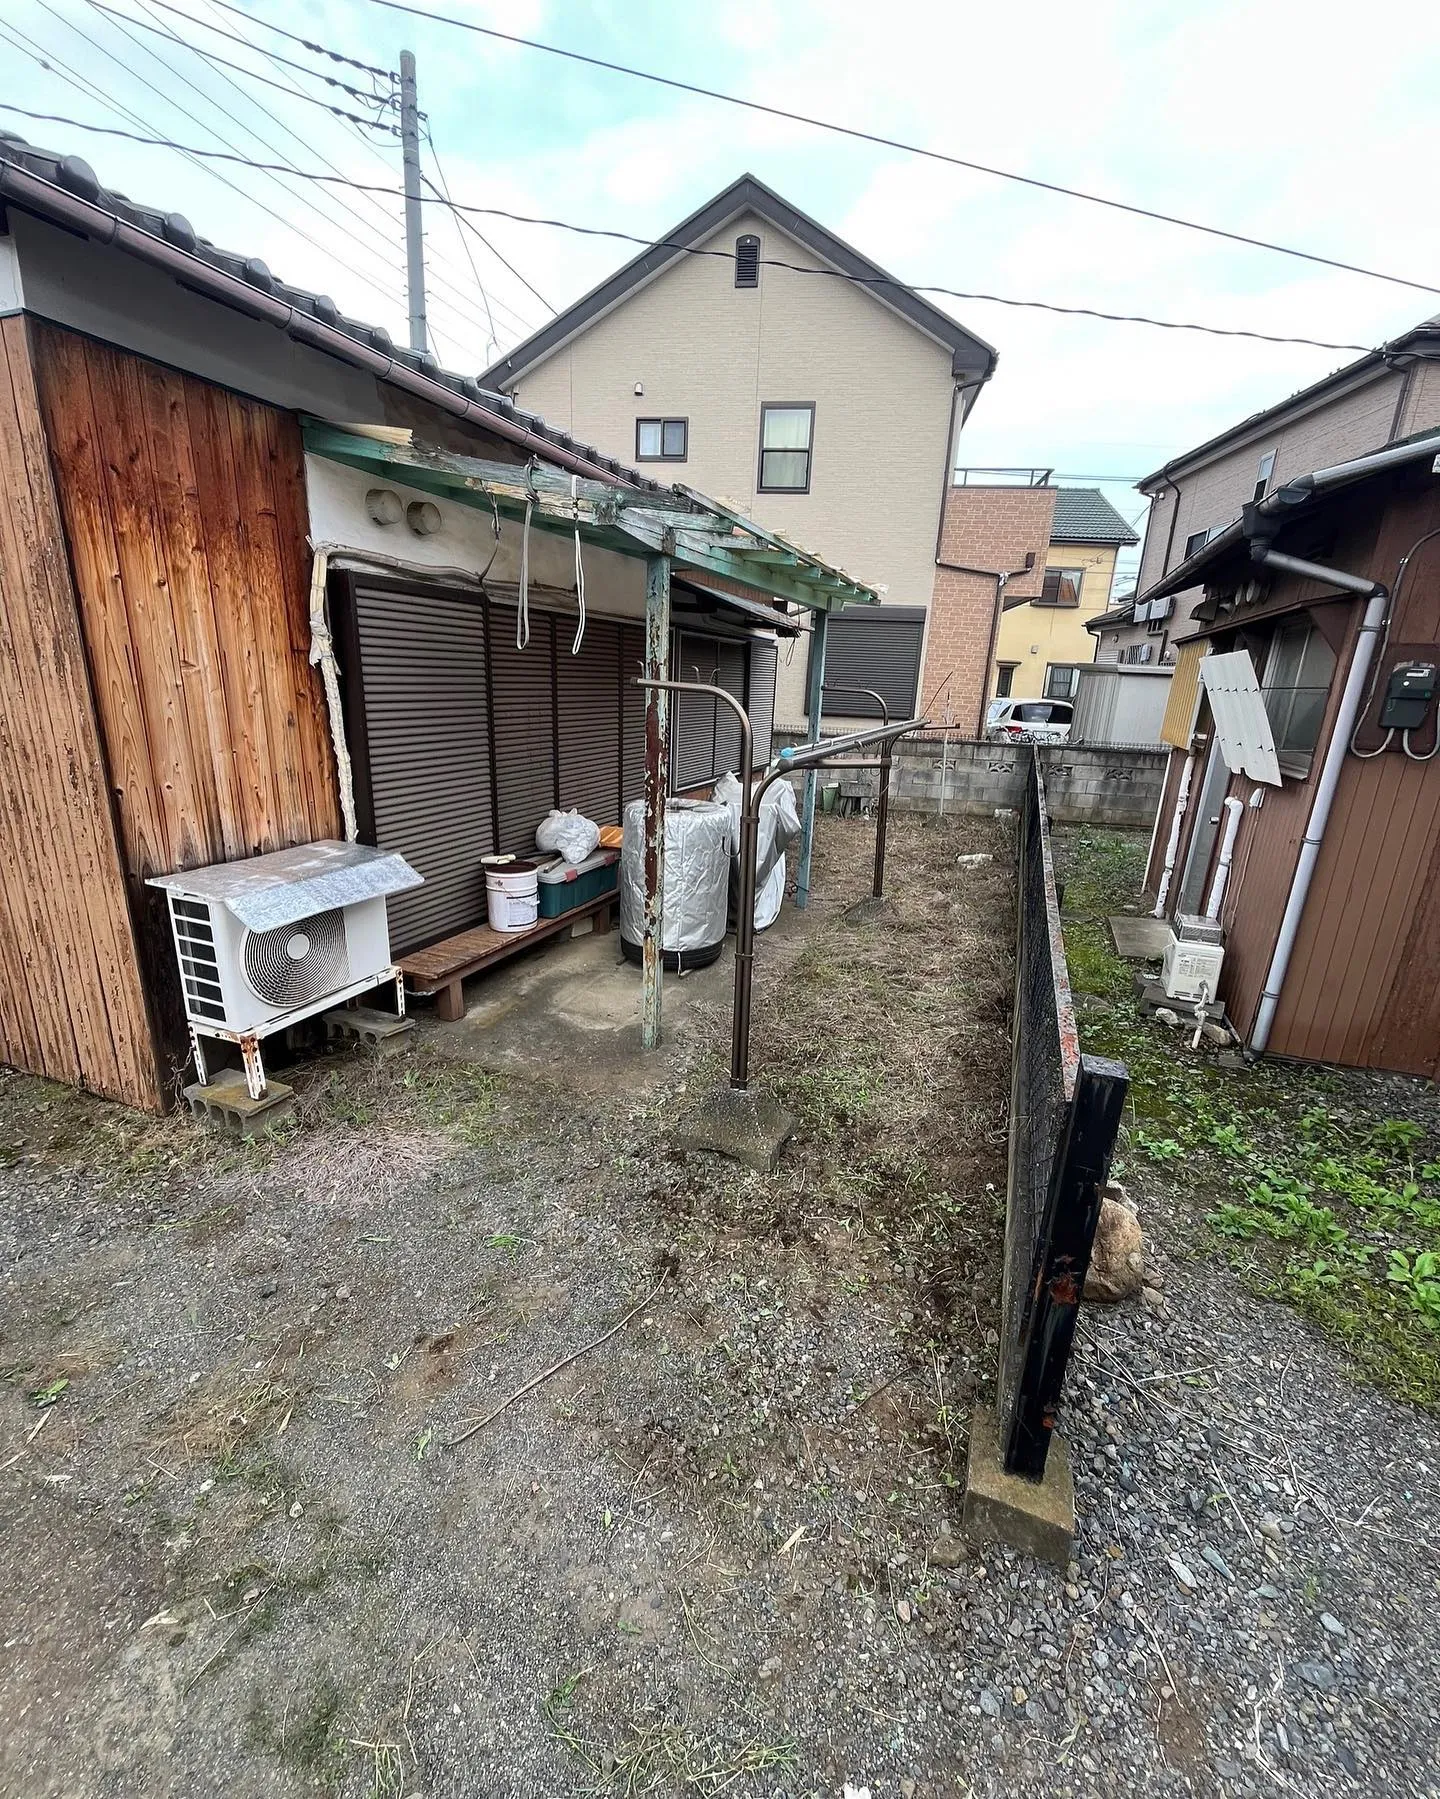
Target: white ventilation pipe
(1234, 810)
(1351, 701)
(1172, 847)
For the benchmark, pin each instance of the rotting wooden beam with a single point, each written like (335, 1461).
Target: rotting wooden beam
(657, 775)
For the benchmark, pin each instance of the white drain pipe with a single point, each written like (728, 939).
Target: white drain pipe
(1234, 809)
(1352, 699)
(1172, 847)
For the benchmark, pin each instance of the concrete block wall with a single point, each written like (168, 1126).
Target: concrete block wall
(1113, 786)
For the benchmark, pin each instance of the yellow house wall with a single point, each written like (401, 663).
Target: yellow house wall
(1033, 636)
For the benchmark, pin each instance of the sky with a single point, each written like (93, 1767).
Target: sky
(1313, 125)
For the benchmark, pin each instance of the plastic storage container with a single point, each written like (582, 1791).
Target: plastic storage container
(511, 898)
(563, 888)
(697, 882)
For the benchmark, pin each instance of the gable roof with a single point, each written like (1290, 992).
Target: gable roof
(1419, 343)
(66, 191)
(970, 355)
(1084, 515)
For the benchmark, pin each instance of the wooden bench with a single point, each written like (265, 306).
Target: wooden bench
(441, 970)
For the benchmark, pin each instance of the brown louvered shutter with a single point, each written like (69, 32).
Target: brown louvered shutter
(692, 727)
(730, 658)
(764, 660)
(422, 672)
(632, 714)
(587, 689)
(524, 700)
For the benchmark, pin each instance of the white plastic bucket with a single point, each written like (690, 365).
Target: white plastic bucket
(511, 895)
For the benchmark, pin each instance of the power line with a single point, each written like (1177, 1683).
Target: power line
(319, 49)
(223, 62)
(274, 55)
(457, 300)
(867, 281)
(459, 212)
(890, 143)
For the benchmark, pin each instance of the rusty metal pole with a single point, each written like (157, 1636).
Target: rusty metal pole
(882, 811)
(816, 704)
(657, 776)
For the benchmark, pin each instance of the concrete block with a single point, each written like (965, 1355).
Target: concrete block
(749, 1127)
(226, 1103)
(1035, 1517)
(382, 1033)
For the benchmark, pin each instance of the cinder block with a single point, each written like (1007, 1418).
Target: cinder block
(1035, 1517)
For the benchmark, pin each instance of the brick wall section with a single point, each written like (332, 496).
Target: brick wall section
(989, 528)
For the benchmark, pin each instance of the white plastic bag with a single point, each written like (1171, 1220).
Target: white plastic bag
(567, 834)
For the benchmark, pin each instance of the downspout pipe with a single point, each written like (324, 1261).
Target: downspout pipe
(1352, 699)
(1234, 811)
(1172, 846)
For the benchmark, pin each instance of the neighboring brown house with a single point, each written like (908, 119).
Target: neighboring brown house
(1380, 398)
(1331, 904)
(184, 680)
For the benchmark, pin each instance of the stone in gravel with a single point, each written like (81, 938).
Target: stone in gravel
(1319, 1675)
(1331, 1623)
(990, 1703)
(902, 1610)
(1270, 1527)
(1346, 1758)
(1217, 1561)
(268, 1289)
(1182, 1573)
(1117, 1261)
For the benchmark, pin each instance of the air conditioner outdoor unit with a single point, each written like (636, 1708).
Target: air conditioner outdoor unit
(264, 943)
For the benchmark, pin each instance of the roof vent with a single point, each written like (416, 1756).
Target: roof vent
(256, 273)
(178, 230)
(747, 261)
(76, 174)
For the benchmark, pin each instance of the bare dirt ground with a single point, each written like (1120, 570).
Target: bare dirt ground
(716, 1554)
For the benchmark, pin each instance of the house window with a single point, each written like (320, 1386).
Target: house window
(1060, 680)
(1298, 672)
(1263, 474)
(662, 440)
(1061, 587)
(1194, 543)
(786, 434)
(747, 261)
(1004, 678)
(1155, 626)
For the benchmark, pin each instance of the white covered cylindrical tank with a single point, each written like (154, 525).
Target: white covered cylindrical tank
(698, 837)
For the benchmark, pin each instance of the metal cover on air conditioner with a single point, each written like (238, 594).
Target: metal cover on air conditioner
(295, 963)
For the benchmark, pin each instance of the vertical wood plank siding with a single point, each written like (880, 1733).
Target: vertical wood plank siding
(72, 1006)
(184, 507)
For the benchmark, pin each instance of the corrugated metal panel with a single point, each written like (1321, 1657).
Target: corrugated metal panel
(877, 647)
(422, 657)
(1242, 725)
(524, 697)
(587, 687)
(632, 714)
(730, 658)
(1184, 699)
(764, 660)
(692, 728)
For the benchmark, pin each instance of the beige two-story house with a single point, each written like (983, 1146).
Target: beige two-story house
(1381, 398)
(751, 353)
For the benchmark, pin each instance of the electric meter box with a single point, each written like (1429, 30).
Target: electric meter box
(1191, 971)
(1409, 695)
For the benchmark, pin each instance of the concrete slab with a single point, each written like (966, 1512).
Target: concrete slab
(1037, 1518)
(749, 1127)
(1142, 939)
(1152, 997)
(382, 1033)
(226, 1102)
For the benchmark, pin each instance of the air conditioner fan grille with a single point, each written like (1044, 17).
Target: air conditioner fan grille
(294, 964)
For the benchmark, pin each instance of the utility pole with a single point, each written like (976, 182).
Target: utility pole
(414, 230)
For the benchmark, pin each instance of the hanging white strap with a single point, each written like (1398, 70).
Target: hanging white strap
(522, 614)
(579, 567)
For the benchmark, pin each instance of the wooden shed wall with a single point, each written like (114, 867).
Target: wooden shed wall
(184, 506)
(72, 1006)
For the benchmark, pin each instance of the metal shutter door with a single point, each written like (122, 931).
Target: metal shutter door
(524, 701)
(632, 714)
(422, 669)
(692, 730)
(588, 689)
(731, 676)
(875, 647)
(764, 660)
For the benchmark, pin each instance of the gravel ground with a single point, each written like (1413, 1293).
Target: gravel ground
(721, 1552)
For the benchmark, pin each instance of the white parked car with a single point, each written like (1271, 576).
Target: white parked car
(1029, 721)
